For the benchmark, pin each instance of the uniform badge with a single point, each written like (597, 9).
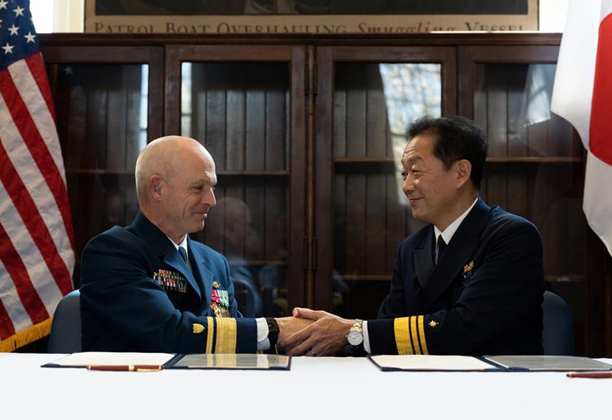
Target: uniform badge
(467, 270)
(433, 323)
(198, 328)
(219, 301)
(170, 280)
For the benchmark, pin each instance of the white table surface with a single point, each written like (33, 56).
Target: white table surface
(315, 388)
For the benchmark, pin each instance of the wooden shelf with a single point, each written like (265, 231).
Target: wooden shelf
(366, 277)
(553, 278)
(81, 171)
(264, 263)
(253, 173)
(364, 159)
(365, 165)
(535, 159)
(564, 278)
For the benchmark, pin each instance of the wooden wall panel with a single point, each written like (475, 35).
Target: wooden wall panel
(255, 128)
(497, 123)
(275, 234)
(255, 192)
(214, 138)
(374, 232)
(517, 132)
(356, 110)
(116, 129)
(277, 112)
(376, 113)
(339, 122)
(396, 221)
(355, 223)
(235, 118)
(340, 224)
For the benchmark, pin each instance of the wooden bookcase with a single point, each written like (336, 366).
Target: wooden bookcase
(305, 132)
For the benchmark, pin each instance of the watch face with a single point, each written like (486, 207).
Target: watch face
(355, 338)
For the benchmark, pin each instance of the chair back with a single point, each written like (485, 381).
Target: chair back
(247, 297)
(558, 326)
(66, 326)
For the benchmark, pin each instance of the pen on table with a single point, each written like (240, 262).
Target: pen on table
(126, 368)
(596, 375)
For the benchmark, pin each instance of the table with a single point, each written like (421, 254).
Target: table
(315, 388)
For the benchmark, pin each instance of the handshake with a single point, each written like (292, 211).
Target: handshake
(312, 333)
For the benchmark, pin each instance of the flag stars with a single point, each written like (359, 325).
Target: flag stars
(14, 30)
(3, 4)
(18, 11)
(8, 49)
(30, 37)
(68, 70)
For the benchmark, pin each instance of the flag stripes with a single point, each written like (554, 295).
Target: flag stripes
(601, 124)
(36, 235)
(32, 138)
(583, 96)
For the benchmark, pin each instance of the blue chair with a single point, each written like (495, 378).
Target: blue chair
(66, 326)
(558, 326)
(249, 302)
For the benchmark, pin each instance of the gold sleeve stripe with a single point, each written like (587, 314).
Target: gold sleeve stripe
(415, 335)
(226, 335)
(402, 336)
(211, 334)
(422, 334)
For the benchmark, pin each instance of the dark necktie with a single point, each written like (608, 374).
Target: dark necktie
(440, 246)
(183, 253)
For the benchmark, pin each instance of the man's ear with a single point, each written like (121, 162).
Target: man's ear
(155, 186)
(463, 169)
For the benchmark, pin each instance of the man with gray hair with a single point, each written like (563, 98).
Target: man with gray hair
(149, 287)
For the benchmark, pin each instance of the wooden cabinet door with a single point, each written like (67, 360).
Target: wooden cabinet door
(366, 97)
(108, 105)
(535, 168)
(245, 104)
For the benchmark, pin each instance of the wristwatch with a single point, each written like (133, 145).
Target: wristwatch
(355, 335)
(273, 331)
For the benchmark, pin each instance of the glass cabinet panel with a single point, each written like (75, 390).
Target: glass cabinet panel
(535, 169)
(241, 113)
(102, 122)
(373, 105)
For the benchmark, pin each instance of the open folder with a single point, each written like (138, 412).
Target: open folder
(488, 364)
(111, 361)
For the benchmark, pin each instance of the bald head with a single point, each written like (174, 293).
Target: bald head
(165, 157)
(175, 180)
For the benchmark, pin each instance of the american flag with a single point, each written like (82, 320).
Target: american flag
(36, 251)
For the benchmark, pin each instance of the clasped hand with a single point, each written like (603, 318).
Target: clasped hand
(321, 334)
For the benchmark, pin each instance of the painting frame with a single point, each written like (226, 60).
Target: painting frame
(130, 21)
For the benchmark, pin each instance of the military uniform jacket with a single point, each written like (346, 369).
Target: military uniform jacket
(483, 297)
(137, 294)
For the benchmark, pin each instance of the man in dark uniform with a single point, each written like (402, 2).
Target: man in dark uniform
(149, 287)
(470, 282)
